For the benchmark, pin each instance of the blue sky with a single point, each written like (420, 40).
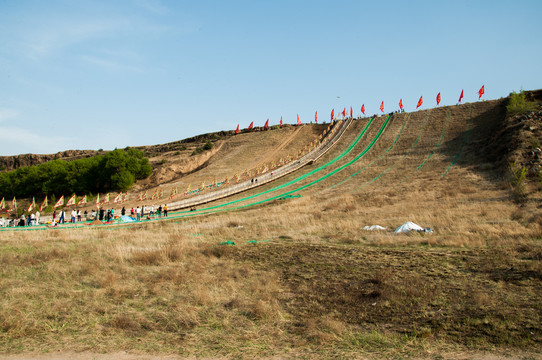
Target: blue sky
(105, 74)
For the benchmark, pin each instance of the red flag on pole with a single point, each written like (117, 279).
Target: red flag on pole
(237, 130)
(332, 114)
(266, 126)
(316, 116)
(351, 112)
(438, 99)
(420, 102)
(480, 92)
(363, 109)
(460, 96)
(382, 106)
(401, 104)
(251, 126)
(298, 121)
(344, 112)
(281, 120)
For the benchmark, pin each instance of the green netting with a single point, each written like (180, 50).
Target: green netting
(402, 157)
(439, 143)
(220, 208)
(378, 158)
(348, 150)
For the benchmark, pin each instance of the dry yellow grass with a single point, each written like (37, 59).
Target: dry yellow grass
(304, 279)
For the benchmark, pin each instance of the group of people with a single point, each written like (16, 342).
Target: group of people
(147, 211)
(107, 215)
(30, 220)
(75, 216)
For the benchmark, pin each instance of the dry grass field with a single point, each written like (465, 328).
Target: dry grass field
(299, 277)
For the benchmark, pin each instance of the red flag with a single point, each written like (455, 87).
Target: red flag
(420, 102)
(298, 121)
(237, 130)
(332, 114)
(363, 109)
(266, 126)
(316, 116)
(251, 126)
(382, 106)
(461, 96)
(438, 99)
(480, 92)
(281, 120)
(401, 104)
(344, 112)
(351, 112)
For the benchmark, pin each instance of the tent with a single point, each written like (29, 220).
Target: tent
(407, 227)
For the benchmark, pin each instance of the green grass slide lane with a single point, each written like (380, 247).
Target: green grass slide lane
(465, 141)
(348, 150)
(442, 135)
(215, 209)
(418, 137)
(209, 211)
(378, 158)
(340, 168)
(188, 213)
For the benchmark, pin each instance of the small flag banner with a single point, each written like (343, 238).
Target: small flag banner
(71, 201)
(60, 202)
(44, 204)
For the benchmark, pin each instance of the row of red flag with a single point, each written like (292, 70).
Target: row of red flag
(344, 112)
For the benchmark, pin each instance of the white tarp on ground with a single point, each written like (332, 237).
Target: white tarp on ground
(127, 218)
(407, 227)
(374, 227)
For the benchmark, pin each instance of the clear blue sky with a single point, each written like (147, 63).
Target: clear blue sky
(105, 74)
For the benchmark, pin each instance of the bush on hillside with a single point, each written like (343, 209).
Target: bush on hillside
(518, 104)
(116, 170)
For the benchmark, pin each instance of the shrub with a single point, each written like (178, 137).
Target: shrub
(116, 170)
(208, 145)
(518, 176)
(519, 105)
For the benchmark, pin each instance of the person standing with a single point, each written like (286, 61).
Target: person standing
(38, 217)
(74, 214)
(138, 213)
(165, 210)
(62, 216)
(123, 211)
(79, 215)
(160, 211)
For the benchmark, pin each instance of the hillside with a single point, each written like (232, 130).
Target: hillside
(287, 270)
